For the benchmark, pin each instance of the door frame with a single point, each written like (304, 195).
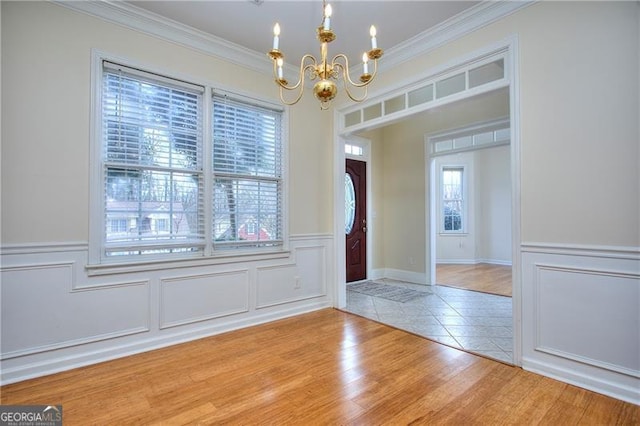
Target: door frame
(512, 71)
(365, 144)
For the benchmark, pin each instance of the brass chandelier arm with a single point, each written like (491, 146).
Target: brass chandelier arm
(326, 73)
(303, 68)
(282, 83)
(348, 83)
(345, 71)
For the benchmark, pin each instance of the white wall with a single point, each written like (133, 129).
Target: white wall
(487, 238)
(493, 209)
(458, 248)
(54, 315)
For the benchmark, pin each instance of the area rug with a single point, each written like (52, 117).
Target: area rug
(389, 292)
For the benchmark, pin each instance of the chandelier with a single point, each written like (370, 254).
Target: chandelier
(327, 73)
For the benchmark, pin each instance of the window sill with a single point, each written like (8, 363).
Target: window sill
(453, 234)
(112, 268)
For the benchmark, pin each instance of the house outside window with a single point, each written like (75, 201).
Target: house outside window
(452, 218)
(156, 158)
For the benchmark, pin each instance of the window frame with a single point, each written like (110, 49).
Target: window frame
(98, 263)
(464, 200)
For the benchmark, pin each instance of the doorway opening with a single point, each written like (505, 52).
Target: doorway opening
(349, 123)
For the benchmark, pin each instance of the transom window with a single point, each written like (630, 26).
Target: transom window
(171, 187)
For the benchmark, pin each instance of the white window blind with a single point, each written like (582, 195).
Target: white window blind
(247, 174)
(152, 163)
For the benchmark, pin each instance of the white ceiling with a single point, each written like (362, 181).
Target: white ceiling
(248, 24)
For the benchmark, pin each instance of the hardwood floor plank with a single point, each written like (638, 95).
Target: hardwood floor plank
(483, 277)
(326, 367)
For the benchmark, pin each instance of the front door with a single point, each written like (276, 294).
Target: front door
(356, 219)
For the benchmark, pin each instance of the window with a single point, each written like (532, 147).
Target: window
(165, 179)
(452, 199)
(353, 150)
(247, 174)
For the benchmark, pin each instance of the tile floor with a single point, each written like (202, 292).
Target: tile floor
(464, 319)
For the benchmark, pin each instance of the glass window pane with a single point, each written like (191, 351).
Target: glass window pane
(352, 118)
(373, 111)
(394, 104)
(486, 73)
(420, 96)
(450, 86)
(349, 204)
(452, 199)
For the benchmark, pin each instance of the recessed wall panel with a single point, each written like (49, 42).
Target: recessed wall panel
(185, 300)
(590, 316)
(40, 312)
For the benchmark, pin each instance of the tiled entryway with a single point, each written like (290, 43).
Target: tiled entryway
(468, 320)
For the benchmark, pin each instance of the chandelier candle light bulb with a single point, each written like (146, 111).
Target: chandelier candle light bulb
(280, 63)
(372, 33)
(327, 18)
(276, 36)
(325, 71)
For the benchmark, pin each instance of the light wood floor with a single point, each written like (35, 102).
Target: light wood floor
(494, 279)
(326, 367)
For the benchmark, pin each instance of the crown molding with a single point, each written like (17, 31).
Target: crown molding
(135, 18)
(138, 19)
(453, 28)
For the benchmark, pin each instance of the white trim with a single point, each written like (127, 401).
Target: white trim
(465, 63)
(466, 169)
(617, 252)
(605, 264)
(452, 29)
(472, 262)
(57, 364)
(402, 275)
(35, 248)
(584, 380)
(98, 264)
(365, 144)
(129, 16)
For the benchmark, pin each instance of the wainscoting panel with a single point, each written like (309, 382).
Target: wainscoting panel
(39, 298)
(302, 280)
(58, 315)
(581, 316)
(187, 300)
(571, 330)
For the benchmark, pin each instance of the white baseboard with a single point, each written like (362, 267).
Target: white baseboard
(400, 275)
(625, 388)
(580, 316)
(70, 359)
(132, 312)
(473, 262)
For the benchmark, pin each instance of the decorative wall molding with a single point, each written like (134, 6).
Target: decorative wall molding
(196, 298)
(452, 29)
(74, 319)
(580, 321)
(135, 18)
(616, 252)
(130, 16)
